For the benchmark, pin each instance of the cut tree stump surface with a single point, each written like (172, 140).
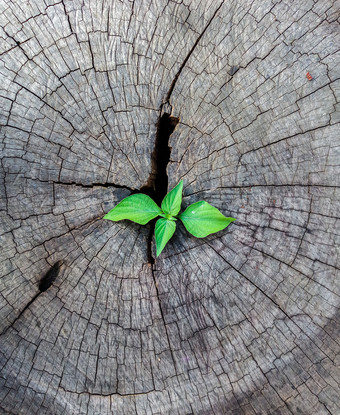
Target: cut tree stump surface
(245, 321)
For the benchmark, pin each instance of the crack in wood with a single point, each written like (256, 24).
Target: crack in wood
(90, 186)
(50, 276)
(163, 318)
(109, 395)
(157, 185)
(44, 284)
(172, 86)
(210, 342)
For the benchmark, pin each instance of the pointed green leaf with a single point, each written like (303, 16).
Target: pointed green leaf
(202, 219)
(172, 202)
(139, 208)
(164, 230)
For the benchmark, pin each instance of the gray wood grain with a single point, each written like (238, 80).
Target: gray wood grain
(245, 321)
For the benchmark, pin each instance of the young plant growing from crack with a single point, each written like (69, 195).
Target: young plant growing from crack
(200, 218)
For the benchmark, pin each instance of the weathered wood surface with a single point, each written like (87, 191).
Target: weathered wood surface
(243, 322)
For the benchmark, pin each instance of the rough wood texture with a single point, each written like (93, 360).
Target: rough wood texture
(245, 321)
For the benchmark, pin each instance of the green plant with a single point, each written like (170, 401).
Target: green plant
(200, 218)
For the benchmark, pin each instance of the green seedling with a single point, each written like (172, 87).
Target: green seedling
(200, 218)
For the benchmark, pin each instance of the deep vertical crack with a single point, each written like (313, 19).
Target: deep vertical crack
(157, 184)
(163, 318)
(172, 86)
(50, 276)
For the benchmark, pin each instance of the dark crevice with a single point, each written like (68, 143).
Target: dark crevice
(163, 319)
(68, 19)
(45, 283)
(157, 185)
(232, 71)
(20, 314)
(18, 44)
(88, 186)
(50, 276)
(109, 394)
(172, 86)
(151, 259)
(92, 185)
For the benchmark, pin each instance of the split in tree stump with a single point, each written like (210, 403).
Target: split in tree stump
(101, 99)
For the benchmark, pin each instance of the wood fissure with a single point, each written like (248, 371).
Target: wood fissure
(50, 276)
(243, 321)
(18, 317)
(92, 185)
(172, 86)
(45, 283)
(163, 318)
(157, 185)
(161, 157)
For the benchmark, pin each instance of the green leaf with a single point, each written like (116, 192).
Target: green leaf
(202, 219)
(172, 202)
(164, 230)
(139, 208)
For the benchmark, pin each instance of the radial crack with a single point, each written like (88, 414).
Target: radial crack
(172, 86)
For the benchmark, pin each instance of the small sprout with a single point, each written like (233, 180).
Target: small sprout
(200, 219)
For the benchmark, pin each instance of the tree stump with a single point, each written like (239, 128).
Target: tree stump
(245, 95)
